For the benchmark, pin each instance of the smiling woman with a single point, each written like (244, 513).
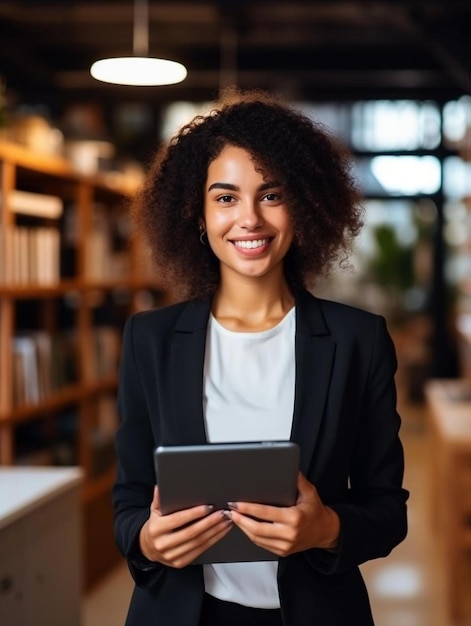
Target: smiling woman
(246, 218)
(307, 166)
(243, 209)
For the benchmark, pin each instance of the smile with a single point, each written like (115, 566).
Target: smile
(253, 243)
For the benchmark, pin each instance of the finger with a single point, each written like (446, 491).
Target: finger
(257, 528)
(222, 531)
(193, 533)
(264, 512)
(200, 526)
(186, 552)
(306, 490)
(303, 484)
(179, 519)
(215, 534)
(155, 504)
(267, 536)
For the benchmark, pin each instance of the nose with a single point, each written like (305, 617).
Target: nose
(250, 216)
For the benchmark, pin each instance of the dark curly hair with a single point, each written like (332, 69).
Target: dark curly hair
(314, 171)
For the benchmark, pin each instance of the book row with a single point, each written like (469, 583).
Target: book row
(43, 363)
(56, 441)
(31, 256)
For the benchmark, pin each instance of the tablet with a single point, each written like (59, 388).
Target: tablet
(218, 473)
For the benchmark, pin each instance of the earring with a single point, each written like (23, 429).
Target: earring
(202, 234)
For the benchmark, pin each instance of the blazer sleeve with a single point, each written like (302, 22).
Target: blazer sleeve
(133, 490)
(373, 517)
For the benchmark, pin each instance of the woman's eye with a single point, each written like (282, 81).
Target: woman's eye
(225, 198)
(272, 197)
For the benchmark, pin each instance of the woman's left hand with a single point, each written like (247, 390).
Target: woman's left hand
(285, 530)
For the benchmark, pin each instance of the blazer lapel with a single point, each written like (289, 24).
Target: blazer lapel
(186, 371)
(315, 352)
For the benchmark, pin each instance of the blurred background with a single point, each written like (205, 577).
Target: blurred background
(392, 80)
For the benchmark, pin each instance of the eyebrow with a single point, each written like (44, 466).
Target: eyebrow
(231, 187)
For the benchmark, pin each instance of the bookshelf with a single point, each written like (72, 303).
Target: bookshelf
(71, 272)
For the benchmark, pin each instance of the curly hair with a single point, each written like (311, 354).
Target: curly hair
(313, 169)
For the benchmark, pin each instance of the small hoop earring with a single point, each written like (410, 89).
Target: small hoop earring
(202, 234)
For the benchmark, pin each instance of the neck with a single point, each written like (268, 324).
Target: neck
(252, 304)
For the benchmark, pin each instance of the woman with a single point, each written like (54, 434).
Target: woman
(243, 210)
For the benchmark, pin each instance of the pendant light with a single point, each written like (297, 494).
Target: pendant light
(139, 69)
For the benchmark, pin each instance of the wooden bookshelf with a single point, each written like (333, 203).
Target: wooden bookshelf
(70, 322)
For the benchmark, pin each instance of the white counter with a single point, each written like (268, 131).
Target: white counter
(24, 489)
(40, 546)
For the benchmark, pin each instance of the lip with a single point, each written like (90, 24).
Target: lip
(252, 252)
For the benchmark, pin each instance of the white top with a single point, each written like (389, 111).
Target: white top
(248, 395)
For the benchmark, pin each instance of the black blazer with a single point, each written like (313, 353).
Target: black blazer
(345, 421)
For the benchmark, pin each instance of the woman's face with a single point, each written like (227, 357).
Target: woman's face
(248, 224)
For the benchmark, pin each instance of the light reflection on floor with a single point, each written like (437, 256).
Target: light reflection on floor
(397, 582)
(407, 587)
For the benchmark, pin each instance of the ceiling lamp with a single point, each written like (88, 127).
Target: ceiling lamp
(139, 69)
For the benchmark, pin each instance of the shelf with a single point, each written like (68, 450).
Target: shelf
(39, 162)
(26, 292)
(65, 324)
(59, 167)
(69, 395)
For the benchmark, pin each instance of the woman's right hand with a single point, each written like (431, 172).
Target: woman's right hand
(179, 538)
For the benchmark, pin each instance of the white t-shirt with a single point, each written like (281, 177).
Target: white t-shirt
(248, 395)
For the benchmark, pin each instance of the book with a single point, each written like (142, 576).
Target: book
(35, 204)
(7, 260)
(106, 350)
(34, 258)
(26, 383)
(43, 346)
(107, 415)
(98, 246)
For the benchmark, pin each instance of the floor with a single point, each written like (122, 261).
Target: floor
(406, 588)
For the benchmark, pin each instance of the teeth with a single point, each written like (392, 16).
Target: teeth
(254, 243)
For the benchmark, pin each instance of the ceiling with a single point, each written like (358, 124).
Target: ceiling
(317, 50)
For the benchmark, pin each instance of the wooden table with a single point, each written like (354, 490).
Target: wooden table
(449, 403)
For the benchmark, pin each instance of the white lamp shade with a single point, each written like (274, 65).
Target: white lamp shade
(144, 71)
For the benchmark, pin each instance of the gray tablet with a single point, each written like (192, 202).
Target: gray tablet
(218, 473)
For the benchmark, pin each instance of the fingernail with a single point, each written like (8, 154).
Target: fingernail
(209, 508)
(232, 505)
(228, 515)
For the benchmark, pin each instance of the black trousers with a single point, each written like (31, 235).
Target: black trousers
(220, 613)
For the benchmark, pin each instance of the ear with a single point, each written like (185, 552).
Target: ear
(201, 224)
